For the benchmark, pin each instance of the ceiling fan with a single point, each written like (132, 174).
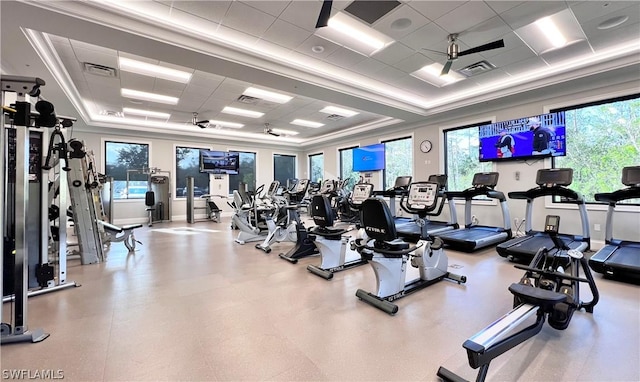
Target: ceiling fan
(201, 124)
(325, 13)
(453, 51)
(268, 130)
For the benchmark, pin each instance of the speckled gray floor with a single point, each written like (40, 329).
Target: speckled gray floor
(193, 305)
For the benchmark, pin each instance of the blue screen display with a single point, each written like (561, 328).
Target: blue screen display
(524, 138)
(369, 158)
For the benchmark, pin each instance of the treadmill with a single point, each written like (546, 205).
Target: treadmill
(473, 237)
(400, 188)
(551, 182)
(422, 227)
(619, 258)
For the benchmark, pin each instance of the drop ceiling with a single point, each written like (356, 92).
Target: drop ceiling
(229, 46)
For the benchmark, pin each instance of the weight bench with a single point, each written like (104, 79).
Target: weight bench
(124, 234)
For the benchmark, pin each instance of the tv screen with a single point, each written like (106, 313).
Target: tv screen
(219, 162)
(369, 158)
(523, 138)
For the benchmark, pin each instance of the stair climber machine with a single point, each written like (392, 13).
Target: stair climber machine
(550, 289)
(420, 226)
(248, 217)
(552, 182)
(332, 241)
(279, 220)
(296, 193)
(304, 246)
(389, 255)
(619, 258)
(473, 237)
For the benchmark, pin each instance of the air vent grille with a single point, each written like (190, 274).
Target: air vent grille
(248, 99)
(477, 68)
(100, 70)
(335, 117)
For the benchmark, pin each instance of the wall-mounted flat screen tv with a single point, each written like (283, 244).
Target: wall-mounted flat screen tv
(369, 158)
(219, 162)
(537, 136)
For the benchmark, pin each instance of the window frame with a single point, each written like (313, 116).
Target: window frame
(596, 100)
(339, 153)
(309, 160)
(398, 138)
(295, 164)
(117, 139)
(256, 163)
(175, 166)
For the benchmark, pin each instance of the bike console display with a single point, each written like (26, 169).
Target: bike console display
(422, 195)
(552, 224)
(361, 192)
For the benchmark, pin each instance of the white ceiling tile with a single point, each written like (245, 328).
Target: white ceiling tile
(425, 37)
(412, 84)
(589, 10)
(488, 31)
(274, 8)
(526, 66)
(303, 14)
(389, 74)
(164, 86)
(368, 66)
(136, 81)
(502, 6)
(512, 56)
(413, 63)
(393, 53)
(572, 51)
(530, 11)
(191, 102)
(626, 32)
(286, 34)
(465, 17)
(97, 57)
(246, 19)
(345, 58)
(385, 24)
(210, 10)
(434, 9)
(494, 76)
(83, 45)
(312, 41)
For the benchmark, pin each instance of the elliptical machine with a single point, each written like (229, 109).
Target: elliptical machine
(247, 216)
(550, 288)
(282, 227)
(388, 255)
(332, 242)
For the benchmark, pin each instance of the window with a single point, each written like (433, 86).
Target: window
(346, 168)
(132, 159)
(316, 167)
(188, 164)
(398, 158)
(602, 138)
(246, 172)
(284, 168)
(461, 156)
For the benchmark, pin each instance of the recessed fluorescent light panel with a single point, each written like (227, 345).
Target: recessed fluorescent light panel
(284, 132)
(352, 34)
(302, 122)
(431, 74)
(242, 112)
(145, 113)
(552, 32)
(267, 95)
(152, 97)
(232, 125)
(146, 69)
(340, 111)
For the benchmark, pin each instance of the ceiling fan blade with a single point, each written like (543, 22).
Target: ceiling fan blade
(482, 48)
(445, 69)
(435, 51)
(274, 134)
(201, 122)
(201, 125)
(325, 13)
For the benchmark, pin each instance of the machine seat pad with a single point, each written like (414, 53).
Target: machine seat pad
(110, 227)
(391, 246)
(537, 296)
(131, 226)
(328, 231)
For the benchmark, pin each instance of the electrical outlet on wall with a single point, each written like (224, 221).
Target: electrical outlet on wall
(596, 227)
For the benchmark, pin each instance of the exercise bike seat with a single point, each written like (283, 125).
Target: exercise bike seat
(546, 299)
(329, 233)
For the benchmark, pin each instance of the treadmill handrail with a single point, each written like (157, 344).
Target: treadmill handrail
(472, 192)
(618, 195)
(537, 192)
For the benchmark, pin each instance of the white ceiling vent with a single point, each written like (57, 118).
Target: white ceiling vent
(100, 70)
(335, 117)
(477, 68)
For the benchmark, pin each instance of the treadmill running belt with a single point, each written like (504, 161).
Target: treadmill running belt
(626, 257)
(531, 246)
(470, 234)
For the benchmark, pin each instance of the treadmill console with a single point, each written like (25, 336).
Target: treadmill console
(440, 179)
(273, 188)
(552, 224)
(361, 192)
(554, 177)
(485, 179)
(422, 195)
(402, 183)
(631, 176)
